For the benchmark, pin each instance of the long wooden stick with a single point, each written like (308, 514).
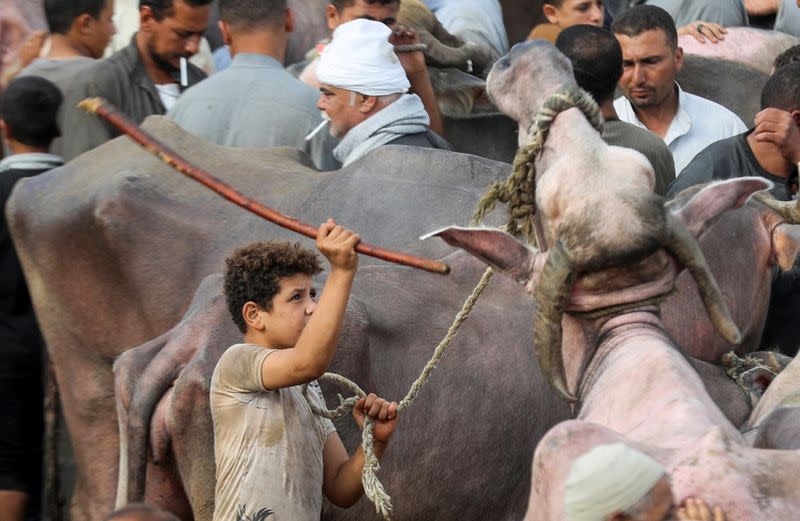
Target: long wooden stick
(111, 114)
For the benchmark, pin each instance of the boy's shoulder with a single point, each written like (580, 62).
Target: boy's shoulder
(239, 368)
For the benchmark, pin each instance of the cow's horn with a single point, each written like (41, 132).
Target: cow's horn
(789, 210)
(684, 247)
(551, 296)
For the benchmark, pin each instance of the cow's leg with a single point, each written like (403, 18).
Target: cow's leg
(89, 414)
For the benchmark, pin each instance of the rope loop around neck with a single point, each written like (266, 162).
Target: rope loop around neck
(518, 191)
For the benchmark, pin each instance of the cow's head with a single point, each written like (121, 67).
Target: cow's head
(544, 278)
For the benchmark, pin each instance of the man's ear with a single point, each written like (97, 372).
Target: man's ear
(226, 32)
(146, 18)
(367, 103)
(796, 117)
(5, 131)
(289, 20)
(332, 16)
(678, 59)
(551, 12)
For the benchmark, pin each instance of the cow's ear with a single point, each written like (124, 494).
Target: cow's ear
(708, 204)
(496, 248)
(786, 245)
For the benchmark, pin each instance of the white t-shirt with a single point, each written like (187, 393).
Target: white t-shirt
(698, 123)
(267, 444)
(169, 94)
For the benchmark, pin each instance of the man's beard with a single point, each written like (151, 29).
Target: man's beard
(160, 61)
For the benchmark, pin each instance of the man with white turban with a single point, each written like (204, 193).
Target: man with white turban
(364, 94)
(617, 483)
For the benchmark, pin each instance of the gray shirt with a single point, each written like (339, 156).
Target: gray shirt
(727, 159)
(61, 73)
(268, 445)
(788, 18)
(122, 80)
(621, 134)
(256, 103)
(730, 13)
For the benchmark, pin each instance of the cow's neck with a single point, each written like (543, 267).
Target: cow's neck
(638, 384)
(570, 134)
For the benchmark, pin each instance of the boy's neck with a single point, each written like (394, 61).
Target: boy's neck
(19, 148)
(63, 48)
(259, 338)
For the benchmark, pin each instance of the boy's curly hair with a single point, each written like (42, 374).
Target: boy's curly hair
(254, 272)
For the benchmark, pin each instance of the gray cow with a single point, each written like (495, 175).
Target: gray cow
(115, 243)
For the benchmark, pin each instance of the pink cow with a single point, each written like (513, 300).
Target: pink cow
(630, 382)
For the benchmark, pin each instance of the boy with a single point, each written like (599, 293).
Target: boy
(274, 456)
(561, 14)
(28, 110)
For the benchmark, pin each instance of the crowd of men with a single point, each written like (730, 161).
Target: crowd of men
(356, 93)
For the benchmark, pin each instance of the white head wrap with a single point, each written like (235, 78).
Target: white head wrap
(608, 479)
(360, 58)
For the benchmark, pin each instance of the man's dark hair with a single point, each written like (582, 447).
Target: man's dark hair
(162, 8)
(29, 106)
(641, 18)
(782, 90)
(596, 59)
(141, 512)
(253, 273)
(790, 55)
(340, 4)
(245, 15)
(61, 13)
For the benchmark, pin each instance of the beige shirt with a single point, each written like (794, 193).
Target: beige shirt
(267, 444)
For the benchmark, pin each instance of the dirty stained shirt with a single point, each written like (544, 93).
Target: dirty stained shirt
(267, 444)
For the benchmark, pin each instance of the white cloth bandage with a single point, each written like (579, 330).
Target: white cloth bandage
(608, 479)
(360, 58)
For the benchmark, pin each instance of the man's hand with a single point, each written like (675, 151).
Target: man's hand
(697, 510)
(701, 30)
(412, 62)
(382, 412)
(779, 128)
(337, 244)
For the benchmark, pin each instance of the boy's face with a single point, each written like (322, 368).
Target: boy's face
(574, 12)
(98, 31)
(291, 308)
(377, 12)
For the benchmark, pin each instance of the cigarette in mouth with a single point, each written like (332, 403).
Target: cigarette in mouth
(317, 129)
(184, 73)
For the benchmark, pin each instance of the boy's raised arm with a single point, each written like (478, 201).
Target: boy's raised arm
(312, 354)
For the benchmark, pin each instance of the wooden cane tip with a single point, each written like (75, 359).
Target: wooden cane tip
(91, 105)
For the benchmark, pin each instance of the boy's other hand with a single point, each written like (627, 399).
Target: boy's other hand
(337, 244)
(384, 414)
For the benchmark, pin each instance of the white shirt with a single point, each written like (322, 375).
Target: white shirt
(169, 94)
(698, 123)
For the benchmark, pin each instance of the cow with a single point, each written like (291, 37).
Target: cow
(108, 207)
(756, 48)
(615, 360)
